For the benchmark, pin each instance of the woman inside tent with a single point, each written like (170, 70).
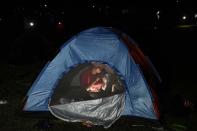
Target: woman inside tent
(99, 80)
(94, 79)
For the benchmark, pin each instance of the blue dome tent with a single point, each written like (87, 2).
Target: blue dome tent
(114, 50)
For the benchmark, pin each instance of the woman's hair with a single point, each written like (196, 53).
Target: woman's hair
(96, 65)
(103, 67)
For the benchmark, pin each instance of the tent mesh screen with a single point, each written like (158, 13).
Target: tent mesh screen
(86, 82)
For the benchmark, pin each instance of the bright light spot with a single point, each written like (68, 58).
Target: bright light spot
(93, 6)
(195, 15)
(3, 102)
(31, 24)
(45, 5)
(158, 12)
(184, 17)
(59, 23)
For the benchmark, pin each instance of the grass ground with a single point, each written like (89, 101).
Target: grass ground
(15, 81)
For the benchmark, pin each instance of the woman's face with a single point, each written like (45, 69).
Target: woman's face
(96, 70)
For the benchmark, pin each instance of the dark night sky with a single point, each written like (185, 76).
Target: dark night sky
(151, 23)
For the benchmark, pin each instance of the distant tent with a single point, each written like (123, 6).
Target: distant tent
(129, 85)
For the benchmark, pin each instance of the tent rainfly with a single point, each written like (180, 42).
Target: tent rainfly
(99, 75)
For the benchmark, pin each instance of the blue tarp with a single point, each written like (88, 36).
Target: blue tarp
(96, 44)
